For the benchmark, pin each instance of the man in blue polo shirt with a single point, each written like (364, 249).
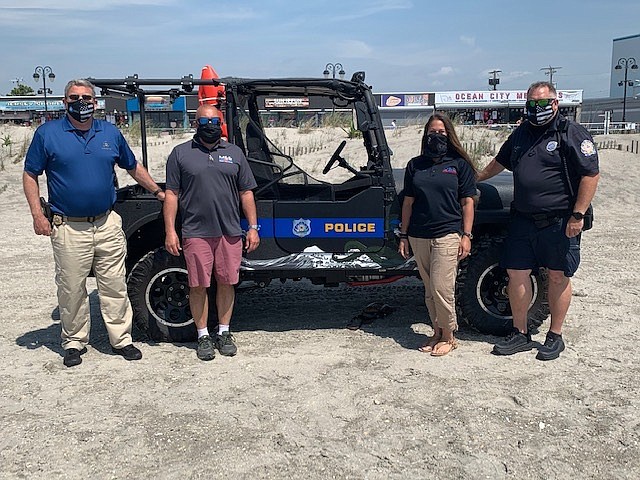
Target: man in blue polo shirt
(78, 154)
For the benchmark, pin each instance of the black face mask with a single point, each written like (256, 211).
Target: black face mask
(435, 145)
(539, 116)
(209, 133)
(80, 110)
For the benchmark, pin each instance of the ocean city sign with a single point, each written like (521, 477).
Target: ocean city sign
(37, 105)
(505, 97)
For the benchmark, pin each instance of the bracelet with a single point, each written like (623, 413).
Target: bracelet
(156, 192)
(403, 235)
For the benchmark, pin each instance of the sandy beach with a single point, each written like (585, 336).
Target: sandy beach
(305, 398)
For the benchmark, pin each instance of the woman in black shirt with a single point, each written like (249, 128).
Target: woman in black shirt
(437, 217)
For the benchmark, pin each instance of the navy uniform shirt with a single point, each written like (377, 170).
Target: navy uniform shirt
(437, 189)
(79, 166)
(533, 155)
(208, 184)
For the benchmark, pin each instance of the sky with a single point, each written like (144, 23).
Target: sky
(402, 45)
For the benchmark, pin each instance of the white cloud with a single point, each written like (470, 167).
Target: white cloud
(374, 8)
(78, 5)
(355, 49)
(470, 41)
(443, 72)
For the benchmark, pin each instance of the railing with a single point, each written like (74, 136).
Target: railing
(600, 128)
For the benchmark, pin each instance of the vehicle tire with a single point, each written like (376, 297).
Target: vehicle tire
(159, 294)
(481, 292)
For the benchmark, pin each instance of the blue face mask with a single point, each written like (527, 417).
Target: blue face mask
(80, 110)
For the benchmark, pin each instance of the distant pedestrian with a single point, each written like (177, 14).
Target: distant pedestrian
(394, 127)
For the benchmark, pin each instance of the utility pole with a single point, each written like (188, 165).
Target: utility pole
(494, 81)
(550, 71)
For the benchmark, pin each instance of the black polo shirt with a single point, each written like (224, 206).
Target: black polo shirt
(437, 188)
(209, 183)
(533, 155)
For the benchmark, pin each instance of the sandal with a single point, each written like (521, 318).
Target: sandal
(431, 342)
(443, 348)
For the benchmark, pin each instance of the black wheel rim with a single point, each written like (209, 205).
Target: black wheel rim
(491, 292)
(167, 297)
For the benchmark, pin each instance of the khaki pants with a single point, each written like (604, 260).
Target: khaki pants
(77, 248)
(437, 260)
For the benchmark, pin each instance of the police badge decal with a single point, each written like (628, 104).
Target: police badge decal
(301, 227)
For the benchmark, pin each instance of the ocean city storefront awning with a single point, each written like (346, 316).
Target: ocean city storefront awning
(498, 98)
(37, 104)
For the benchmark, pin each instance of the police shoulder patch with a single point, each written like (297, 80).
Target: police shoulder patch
(587, 148)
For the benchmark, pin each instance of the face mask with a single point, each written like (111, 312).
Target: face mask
(537, 114)
(209, 133)
(80, 110)
(435, 145)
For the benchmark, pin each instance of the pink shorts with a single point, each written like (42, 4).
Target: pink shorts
(220, 255)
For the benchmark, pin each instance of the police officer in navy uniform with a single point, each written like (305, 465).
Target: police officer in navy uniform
(547, 212)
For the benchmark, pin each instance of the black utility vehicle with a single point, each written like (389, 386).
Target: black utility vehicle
(327, 231)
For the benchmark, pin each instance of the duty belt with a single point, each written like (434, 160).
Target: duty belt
(543, 220)
(60, 219)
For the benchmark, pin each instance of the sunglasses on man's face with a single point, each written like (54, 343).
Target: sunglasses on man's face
(543, 102)
(75, 97)
(205, 121)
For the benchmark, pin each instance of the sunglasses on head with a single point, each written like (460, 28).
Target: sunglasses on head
(543, 102)
(75, 97)
(205, 121)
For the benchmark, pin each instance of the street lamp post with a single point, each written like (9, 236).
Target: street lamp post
(333, 69)
(45, 71)
(626, 63)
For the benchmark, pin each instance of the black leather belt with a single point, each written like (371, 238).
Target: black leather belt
(543, 220)
(59, 219)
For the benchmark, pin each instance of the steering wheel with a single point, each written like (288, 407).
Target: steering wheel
(334, 158)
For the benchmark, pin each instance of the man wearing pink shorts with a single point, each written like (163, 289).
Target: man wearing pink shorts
(207, 178)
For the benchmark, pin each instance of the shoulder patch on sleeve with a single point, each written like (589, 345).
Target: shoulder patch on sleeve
(587, 148)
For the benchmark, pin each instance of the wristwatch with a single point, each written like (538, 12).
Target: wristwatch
(255, 227)
(577, 215)
(468, 234)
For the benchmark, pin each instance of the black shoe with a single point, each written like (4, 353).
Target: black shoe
(553, 346)
(226, 345)
(206, 351)
(515, 342)
(72, 357)
(129, 352)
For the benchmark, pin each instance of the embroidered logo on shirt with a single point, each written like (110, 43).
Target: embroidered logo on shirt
(587, 148)
(552, 145)
(106, 146)
(450, 170)
(225, 158)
